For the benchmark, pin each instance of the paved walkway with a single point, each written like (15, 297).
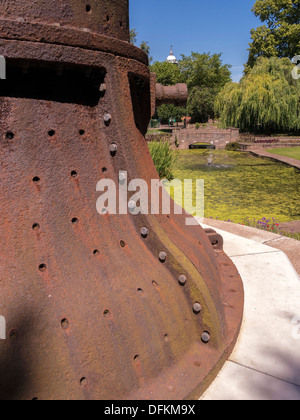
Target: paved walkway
(284, 159)
(265, 362)
(290, 247)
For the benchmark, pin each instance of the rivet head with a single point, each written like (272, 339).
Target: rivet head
(122, 177)
(197, 307)
(131, 205)
(205, 337)
(113, 148)
(182, 280)
(107, 118)
(162, 256)
(103, 87)
(144, 232)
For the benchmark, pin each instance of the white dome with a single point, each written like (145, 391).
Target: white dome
(171, 58)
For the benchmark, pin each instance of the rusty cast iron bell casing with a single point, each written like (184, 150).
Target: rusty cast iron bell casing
(97, 306)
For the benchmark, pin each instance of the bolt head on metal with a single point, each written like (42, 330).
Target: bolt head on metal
(103, 87)
(162, 256)
(122, 177)
(107, 118)
(113, 148)
(197, 307)
(205, 337)
(144, 232)
(131, 205)
(182, 280)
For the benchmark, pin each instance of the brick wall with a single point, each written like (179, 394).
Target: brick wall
(212, 135)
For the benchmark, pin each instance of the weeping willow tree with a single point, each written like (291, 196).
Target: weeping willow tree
(266, 99)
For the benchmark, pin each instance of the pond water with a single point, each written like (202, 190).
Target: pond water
(239, 185)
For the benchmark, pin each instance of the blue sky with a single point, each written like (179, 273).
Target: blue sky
(218, 26)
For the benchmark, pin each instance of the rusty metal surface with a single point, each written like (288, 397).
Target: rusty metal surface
(92, 310)
(108, 18)
(177, 94)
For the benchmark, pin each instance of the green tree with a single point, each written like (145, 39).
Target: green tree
(144, 45)
(167, 74)
(201, 103)
(165, 112)
(204, 70)
(133, 36)
(266, 99)
(205, 75)
(146, 48)
(280, 35)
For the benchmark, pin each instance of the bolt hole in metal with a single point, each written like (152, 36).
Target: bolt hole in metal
(36, 227)
(51, 133)
(106, 313)
(81, 132)
(75, 221)
(13, 334)
(42, 267)
(88, 8)
(96, 252)
(166, 338)
(36, 180)
(74, 174)
(154, 284)
(10, 135)
(122, 243)
(65, 324)
(83, 382)
(136, 358)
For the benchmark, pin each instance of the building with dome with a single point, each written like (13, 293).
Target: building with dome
(171, 58)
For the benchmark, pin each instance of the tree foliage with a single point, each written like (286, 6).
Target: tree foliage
(205, 75)
(201, 103)
(204, 70)
(144, 45)
(266, 99)
(166, 73)
(280, 35)
(167, 111)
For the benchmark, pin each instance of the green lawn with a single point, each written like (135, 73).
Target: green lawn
(292, 152)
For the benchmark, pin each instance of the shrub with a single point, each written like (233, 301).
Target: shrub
(233, 146)
(163, 158)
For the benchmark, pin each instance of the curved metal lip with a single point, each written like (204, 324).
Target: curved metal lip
(69, 36)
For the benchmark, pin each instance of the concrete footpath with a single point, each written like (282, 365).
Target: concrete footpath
(284, 159)
(265, 364)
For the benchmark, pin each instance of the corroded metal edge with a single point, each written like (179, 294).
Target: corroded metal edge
(190, 378)
(68, 36)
